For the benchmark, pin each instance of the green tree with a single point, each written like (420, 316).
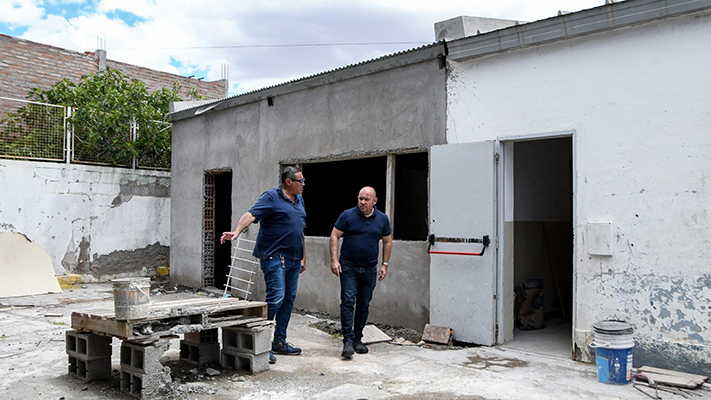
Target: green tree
(105, 105)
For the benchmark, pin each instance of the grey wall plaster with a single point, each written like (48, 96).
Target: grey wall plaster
(682, 357)
(401, 108)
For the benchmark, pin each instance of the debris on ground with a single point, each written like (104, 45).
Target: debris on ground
(331, 324)
(438, 334)
(670, 378)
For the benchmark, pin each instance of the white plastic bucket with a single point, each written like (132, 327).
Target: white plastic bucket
(131, 298)
(613, 342)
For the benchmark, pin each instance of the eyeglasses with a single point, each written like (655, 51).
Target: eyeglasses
(302, 180)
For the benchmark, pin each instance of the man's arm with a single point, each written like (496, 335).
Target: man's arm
(333, 247)
(244, 221)
(387, 249)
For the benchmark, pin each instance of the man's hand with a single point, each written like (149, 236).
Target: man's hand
(228, 236)
(303, 266)
(336, 268)
(383, 272)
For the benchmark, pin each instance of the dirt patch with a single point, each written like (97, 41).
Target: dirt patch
(331, 324)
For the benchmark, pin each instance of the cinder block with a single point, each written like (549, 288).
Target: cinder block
(142, 358)
(87, 346)
(205, 336)
(200, 353)
(132, 383)
(90, 370)
(247, 340)
(250, 363)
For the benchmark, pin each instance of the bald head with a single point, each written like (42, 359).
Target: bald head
(367, 200)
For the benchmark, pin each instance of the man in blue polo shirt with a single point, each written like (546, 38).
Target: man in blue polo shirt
(362, 228)
(280, 249)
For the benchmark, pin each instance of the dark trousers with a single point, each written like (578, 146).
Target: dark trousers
(357, 284)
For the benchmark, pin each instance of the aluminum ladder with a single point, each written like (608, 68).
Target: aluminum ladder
(243, 268)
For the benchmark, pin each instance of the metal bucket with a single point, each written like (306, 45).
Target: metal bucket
(131, 298)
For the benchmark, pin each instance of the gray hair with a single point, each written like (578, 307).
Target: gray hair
(289, 172)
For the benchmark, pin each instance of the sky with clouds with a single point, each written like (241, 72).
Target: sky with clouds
(262, 42)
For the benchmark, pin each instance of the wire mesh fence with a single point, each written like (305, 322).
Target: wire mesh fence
(32, 130)
(38, 131)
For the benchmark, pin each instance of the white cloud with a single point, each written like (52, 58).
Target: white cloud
(17, 13)
(192, 32)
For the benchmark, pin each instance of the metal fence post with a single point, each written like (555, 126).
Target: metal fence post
(68, 134)
(134, 135)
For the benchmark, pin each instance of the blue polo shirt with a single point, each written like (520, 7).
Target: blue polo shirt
(361, 236)
(282, 222)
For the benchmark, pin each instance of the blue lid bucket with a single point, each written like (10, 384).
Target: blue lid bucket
(613, 342)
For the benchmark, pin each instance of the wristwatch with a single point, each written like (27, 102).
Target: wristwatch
(385, 263)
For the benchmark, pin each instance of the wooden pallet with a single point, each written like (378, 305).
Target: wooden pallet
(169, 318)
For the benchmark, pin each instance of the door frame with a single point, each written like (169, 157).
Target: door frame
(504, 199)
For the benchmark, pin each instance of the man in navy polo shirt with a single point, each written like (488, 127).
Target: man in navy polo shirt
(280, 249)
(362, 228)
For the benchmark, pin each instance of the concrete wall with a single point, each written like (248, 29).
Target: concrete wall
(95, 221)
(637, 101)
(372, 114)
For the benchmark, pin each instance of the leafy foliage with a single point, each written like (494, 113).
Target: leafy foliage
(105, 107)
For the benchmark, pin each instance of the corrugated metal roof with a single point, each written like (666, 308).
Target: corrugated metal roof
(266, 90)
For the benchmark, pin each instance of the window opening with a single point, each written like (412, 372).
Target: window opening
(332, 187)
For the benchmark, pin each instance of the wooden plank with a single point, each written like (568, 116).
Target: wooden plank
(671, 380)
(699, 378)
(186, 307)
(83, 323)
(206, 312)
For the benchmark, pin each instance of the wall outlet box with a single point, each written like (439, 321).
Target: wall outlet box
(599, 238)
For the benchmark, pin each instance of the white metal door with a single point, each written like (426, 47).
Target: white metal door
(463, 205)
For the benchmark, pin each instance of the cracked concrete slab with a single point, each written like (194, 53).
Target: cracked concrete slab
(32, 354)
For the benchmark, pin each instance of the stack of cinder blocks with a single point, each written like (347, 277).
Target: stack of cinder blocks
(142, 374)
(201, 347)
(246, 349)
(89, 355)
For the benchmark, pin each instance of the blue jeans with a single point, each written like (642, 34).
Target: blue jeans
(357, 284)
(281, 276)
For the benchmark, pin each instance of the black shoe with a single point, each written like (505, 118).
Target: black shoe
(282, 347)
(347, 350)
(359, 347)
(272, 359)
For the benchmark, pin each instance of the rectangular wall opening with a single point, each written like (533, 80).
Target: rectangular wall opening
(332, 187)
(217, 215)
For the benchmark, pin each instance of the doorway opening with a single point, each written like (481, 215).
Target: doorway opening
(217, 218)
(539, 242)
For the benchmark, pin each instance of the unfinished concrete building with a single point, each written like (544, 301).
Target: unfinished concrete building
(576, 144)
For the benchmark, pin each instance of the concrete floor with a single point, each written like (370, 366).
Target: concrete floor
(33, 364)
(555, 340)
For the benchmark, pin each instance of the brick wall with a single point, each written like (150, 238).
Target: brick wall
(25, 64)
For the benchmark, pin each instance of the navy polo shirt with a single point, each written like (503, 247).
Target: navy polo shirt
(282, 222)
(361, 235)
